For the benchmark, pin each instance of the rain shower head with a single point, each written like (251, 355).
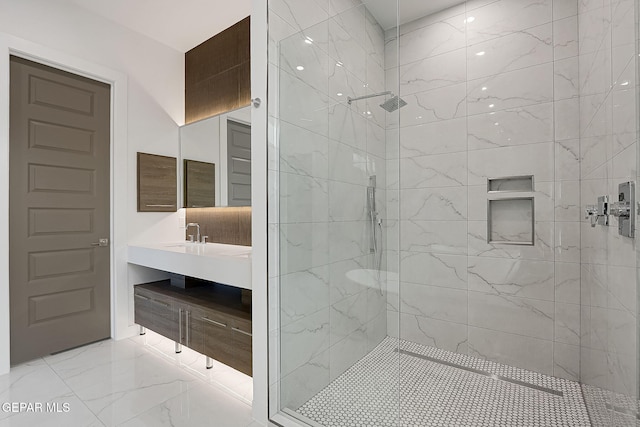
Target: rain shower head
(394, 103)
(390, 105)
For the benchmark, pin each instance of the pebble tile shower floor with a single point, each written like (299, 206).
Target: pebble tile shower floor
(437, 395)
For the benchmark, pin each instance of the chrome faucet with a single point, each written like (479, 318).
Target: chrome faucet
(194, 224)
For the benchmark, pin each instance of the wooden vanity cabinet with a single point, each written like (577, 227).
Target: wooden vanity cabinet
(209, 319)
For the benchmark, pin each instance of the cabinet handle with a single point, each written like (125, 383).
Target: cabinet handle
(187, 317)
(242, 332)
(152, 300)
(143, 297)
(222, 325)
(180, 325)
(160, 206)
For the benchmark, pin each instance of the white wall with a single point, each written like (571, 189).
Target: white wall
(153, 78)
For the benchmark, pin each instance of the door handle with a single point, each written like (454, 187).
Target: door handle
(101, 242)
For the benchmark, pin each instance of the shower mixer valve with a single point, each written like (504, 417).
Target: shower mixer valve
(623, 209)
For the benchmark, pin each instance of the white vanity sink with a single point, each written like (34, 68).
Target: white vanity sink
(228, 264)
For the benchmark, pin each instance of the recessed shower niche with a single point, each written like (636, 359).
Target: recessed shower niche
(510, 220)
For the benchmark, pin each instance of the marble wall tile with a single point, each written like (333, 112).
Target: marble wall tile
(431, 73)
(527, 86)
(567, 158)
(342, 285)
(594, 30)
(304, 340)
(513, 126)
(303, 293)
(347, 352)
(565, 38)
(433, 204)
(502, 18)
(567, 199)
(445, 237)
(529, 159)
(567, 241)
(566, 361)
(303, 199)
(347, 202)
(299, 14)
(439, 37)
(567, 324)
(347, 125)
(567, 119)
(303, 152)
(444, 170)
(517, 278)
(443, 136)
(436, 333)
(347, 239)
(305, 381)
(434, 269)
(347, 316)
(302, 105)
(522, 316)
(303, 246)
(566, 81)
(543, 248)
(347, 164)
(595, 72)
(521, 49)
(434, 302)
(564, 8)
(515, 350)
(433, 105)
(295, 51)
(567, 283)
(345, 48)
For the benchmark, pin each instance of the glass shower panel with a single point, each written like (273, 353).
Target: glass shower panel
(336, 267)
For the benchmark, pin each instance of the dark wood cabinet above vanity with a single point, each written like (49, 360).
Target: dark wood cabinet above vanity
(210, 319)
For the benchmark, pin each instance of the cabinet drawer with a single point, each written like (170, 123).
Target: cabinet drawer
(156, 314)
(227, 340)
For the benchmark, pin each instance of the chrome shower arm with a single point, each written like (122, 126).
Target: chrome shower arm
(350, 99)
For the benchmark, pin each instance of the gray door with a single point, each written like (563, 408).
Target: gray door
(239, 163)
(59, 207)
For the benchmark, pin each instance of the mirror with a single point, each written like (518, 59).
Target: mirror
(215, 160)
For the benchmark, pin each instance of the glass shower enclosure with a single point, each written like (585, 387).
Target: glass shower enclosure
(451, 196)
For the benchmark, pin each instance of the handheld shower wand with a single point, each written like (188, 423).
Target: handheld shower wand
(373, 215)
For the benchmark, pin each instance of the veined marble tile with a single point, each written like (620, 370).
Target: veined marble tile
(522, 316)
(593, 368)
(567, 160)
(434, 302)
(376, 142)
(443, 136)
(443, 170)
(567, 283)
(447, 204)
(567, 323)
(456, 12)
(295, 51)
(300, 14)
(566, 82)
(566, 361)
(567, 119)
(303, 246)
(519, 88)
(431, 106)
(624, 374)
(517, 278)
(513, 126)
(342, 285)
(564, 8)
(304, 340)
(565, 38)
(348, 240)
(353, 21)
(439, 37)
(522, 49)
(343, 83)
(347, 316)
(305, 381)
(347, 164)
(433, 72)
(567, 241)
(516, 350)
(303, 293)
(345, 48)
(543, 249)
(502, 18)
(623, 66)
(621, 286)
(347, 202)
(347, 125)
(434, 269)
(347, 352)
(594, 285)
(595, 72)
(303, 199)
(568, 206)
(302, 105)
(624, 116)
(303, 152)
(374, 42)
(595, 27)
(78, 414)
(529, 159)
(623, 22)
(197, 406)
(622, 332)
(434, 236)
(423, 330)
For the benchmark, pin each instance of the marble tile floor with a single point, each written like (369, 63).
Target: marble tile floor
(133, 382)
(391, 388)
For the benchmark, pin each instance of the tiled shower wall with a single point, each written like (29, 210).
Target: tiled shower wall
(492, 91)
(608, 147)
(323, 151)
